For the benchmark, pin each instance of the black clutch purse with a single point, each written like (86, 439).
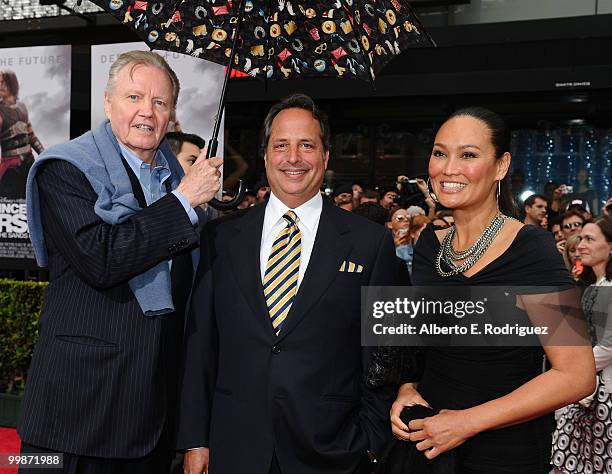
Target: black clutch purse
(393, 365)
(402, 457)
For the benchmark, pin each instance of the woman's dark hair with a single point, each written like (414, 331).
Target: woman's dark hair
(588, 275)
(500, 138)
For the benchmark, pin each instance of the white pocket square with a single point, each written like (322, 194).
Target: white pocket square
(350, 267)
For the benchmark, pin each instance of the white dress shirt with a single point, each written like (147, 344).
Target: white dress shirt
(308, 215)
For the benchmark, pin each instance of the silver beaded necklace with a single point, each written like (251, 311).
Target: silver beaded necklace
(471, 255)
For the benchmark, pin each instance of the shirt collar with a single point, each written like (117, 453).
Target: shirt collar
(308, 213)
(137, 164)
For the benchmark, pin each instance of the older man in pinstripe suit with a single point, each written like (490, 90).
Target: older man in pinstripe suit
(114, 218)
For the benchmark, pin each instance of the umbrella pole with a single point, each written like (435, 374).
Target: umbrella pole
(213, 143)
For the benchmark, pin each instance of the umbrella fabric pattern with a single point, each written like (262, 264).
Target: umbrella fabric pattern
(279, 39)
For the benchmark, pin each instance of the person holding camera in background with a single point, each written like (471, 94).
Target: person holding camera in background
(402, 183)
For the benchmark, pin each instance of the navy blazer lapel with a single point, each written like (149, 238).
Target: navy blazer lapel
(244, 256)
(329, 251)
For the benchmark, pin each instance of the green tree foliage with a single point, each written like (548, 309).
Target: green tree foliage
(20, 305)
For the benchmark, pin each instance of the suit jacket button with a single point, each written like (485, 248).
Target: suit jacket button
(276, 349)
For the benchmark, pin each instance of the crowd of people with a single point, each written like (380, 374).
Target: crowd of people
(265, 372)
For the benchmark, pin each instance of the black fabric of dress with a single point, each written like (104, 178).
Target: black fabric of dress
(463, 377)
(402, 457)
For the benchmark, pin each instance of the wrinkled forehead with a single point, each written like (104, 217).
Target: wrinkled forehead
(127, 76)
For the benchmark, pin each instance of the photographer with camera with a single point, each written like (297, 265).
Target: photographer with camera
(388, 198)
(402, 184)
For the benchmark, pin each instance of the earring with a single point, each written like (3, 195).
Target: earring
(498, 192)
(431, 193)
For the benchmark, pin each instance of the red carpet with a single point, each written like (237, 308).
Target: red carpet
(9, 443)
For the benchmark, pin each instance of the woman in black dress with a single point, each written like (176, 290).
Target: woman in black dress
(495, 402)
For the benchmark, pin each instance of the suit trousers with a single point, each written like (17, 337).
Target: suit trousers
(364, 468)
(156, 462)
(274, 467)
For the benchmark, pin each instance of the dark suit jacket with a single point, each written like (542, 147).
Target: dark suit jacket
(99, 383)
(247, 393)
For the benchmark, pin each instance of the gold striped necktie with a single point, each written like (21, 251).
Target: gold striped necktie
(281, 276)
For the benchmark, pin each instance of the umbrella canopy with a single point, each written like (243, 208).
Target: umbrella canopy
(276, 39)
(279, 39)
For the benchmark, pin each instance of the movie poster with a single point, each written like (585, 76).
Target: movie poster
(201, 82)
(34, 115)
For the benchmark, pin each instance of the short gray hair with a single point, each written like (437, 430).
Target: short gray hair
(137, 58)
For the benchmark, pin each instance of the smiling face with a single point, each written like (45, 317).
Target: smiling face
(139, 108)
(295, 157)
(593, 248)
(463, 168)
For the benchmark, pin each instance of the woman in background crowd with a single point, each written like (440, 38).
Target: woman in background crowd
(494, 420)
(570, 255)
(399, 223)
(582, 442)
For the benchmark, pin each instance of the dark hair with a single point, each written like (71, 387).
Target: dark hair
(10, 79)
(570, 213)
(176, 140)
(531, 200)
(605, 225)
(374, 212)
(554, 220)
(387, 189)
(297, 101)
(500, 138)
(370, 194)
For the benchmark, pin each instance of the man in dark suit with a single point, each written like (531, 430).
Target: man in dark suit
(113, 220)
(273, 366)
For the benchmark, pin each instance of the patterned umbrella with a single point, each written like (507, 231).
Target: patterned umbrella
(277, 39)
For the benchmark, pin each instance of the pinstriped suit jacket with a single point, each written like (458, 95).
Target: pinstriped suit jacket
(103, 374)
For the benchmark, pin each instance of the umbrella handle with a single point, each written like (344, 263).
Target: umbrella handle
(215, 203)
(213, 142)
(229, 205)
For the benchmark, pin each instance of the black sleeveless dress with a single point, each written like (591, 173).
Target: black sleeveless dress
(462, 377)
